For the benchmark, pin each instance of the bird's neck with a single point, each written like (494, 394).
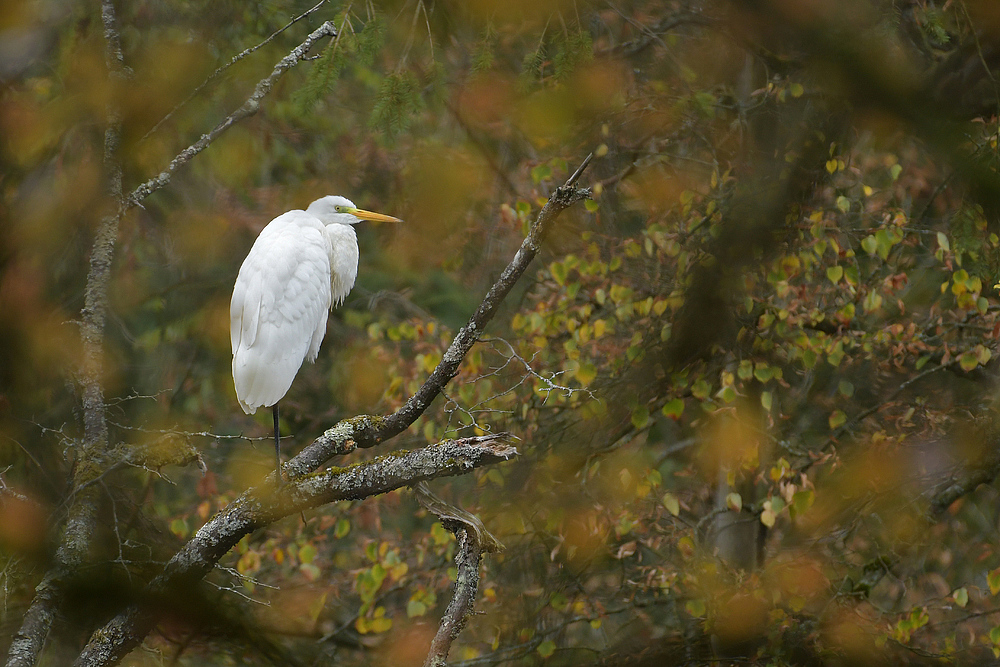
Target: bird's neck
(343, 248)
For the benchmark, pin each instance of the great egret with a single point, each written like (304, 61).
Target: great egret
(302, 264)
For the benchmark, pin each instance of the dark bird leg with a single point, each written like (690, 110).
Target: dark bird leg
(277, 446)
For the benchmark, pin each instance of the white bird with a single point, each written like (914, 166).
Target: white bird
(302, 264)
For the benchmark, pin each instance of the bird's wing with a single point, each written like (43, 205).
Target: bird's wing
(282, 294)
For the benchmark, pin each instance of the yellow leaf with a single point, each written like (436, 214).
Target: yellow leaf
(586, 373)
(734, 501)
(671, 503)
(695, 607)
(993, 580)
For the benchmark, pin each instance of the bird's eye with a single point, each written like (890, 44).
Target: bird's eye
(338, 209)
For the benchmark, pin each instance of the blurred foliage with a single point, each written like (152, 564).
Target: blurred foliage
(779, 311)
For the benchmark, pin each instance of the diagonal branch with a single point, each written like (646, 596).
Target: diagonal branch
(30, 638)
(199, 556)
(248, 108)
(235, 59)
(367, 431)
(253, 510)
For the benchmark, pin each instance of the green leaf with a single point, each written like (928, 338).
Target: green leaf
(836, 355)
(993, 581)
(542, 172)
(674, 408)
(342, 528)
(695, 607)
(837, 419)
(846, 388)
(843, 203)
(546, 648)
(440, 534)
(726, 394)
(869, 244)
(179, 528)
(701, 389)
(558, 271)
(884, 243)
(873, 301)
(983, 354)
(763, 372)
(415, 608)
(801, 501)
(380, 624)
(961, 596)
(640, 417)
(968, 361)
(766, 400)
(558, 601)
(835, 273)
(895, 170)
(942, 240)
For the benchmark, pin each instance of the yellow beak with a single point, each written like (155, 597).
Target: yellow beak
(370, 215)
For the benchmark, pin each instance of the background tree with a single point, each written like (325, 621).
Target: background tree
(751, 381)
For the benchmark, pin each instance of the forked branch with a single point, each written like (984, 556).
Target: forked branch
(259, 506)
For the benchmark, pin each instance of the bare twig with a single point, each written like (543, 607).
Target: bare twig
(235, 59)
(250, 107)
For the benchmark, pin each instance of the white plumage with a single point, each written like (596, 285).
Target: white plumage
(302, 264)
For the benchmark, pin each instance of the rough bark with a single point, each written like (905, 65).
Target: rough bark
(122, 633)
(81, 519)
(473, 539)
(368, 431)
(255, 509)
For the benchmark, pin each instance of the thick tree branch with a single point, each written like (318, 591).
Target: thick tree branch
(82, 515)
(473, 539)
(367, 431)
(467, 560)
(198, 557)
(255, 509)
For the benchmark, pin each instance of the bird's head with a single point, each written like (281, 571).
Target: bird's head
(337, 210)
